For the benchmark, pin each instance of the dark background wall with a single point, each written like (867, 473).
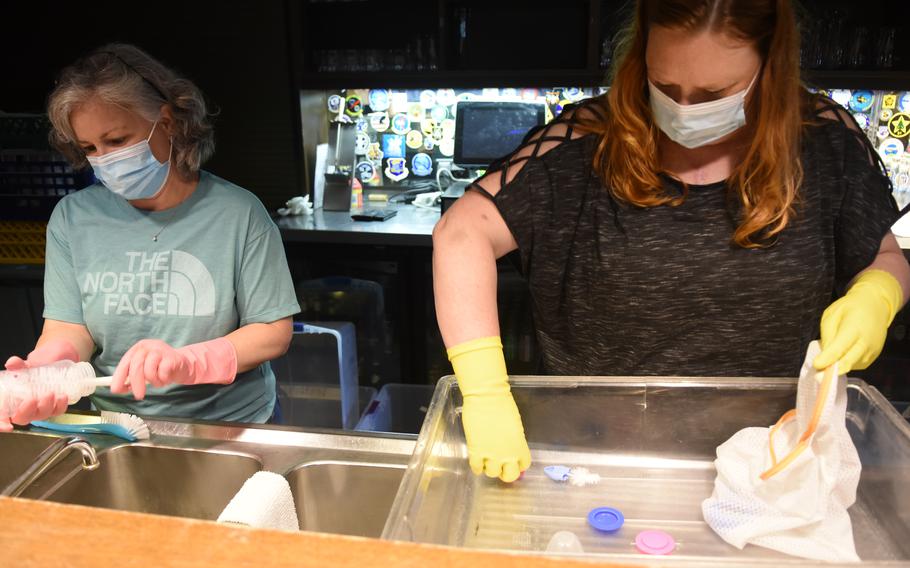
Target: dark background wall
(235, 51)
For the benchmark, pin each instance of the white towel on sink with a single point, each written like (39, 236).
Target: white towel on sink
(264, 502)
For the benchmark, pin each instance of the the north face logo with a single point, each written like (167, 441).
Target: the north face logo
(171, 283)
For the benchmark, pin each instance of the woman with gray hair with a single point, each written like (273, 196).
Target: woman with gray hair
(163, 275)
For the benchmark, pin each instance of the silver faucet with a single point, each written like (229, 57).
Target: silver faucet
(47, 459)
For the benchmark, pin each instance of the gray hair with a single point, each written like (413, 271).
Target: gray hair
(125, 75)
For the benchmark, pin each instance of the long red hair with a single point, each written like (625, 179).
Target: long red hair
(767, 181)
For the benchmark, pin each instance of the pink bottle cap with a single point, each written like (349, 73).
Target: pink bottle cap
(654, 542)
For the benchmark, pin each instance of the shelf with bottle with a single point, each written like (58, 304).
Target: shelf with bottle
(452, 79)
(893, 79)
(413, 54)
(421, 43)
(849, 45)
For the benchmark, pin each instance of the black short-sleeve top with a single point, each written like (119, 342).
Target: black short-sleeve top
(624, 290)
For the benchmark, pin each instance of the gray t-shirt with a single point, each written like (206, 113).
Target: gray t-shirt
(218, 264)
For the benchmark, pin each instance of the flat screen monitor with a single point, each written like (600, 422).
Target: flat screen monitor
(486, 131)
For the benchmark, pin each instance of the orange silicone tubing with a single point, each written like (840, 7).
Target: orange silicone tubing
(778, 466)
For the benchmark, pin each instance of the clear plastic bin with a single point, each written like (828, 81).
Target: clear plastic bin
(653, 443)
(361, 302)
(322, 357)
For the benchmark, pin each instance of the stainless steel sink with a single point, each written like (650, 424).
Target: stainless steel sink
(17, 452)
(163, 481)
(341, 482)
(344, 497)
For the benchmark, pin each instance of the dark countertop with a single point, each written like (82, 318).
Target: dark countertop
(412, 226)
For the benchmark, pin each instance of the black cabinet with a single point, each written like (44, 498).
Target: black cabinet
(455, 43)
(518, 35)
(521, 43)
(386, 292)
(846, 44)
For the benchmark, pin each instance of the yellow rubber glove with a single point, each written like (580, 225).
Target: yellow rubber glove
(854, 328)
(492, 425)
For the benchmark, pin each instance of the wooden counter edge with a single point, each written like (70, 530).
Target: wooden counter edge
(37, 533)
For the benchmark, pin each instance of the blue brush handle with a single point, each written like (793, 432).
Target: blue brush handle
(109, 429)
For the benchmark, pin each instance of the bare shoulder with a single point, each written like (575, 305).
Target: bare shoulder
(565, 128)
(831, 112)
(827, 109)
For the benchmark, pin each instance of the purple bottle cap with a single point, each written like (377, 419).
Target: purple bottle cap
(606, 519)
(654, 542)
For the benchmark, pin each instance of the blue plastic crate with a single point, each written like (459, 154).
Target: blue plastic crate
(321, 364)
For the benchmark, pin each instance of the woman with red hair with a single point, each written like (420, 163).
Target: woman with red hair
(707, 216)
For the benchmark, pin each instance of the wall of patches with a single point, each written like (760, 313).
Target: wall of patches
(401, 139)
(885, 118)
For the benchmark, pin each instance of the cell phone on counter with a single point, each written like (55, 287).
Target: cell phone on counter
(374, 215)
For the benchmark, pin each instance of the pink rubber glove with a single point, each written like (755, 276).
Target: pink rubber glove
(155, 362)
(46, 406)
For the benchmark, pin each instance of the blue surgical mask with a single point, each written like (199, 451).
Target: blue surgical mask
(132, 172)
(699, 124)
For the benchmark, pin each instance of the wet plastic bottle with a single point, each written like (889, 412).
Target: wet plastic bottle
(75, 380)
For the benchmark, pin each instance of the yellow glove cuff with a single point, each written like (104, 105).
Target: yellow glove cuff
(480, 366)
(883, 285)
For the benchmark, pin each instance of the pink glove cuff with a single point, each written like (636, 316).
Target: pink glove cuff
(211, 362)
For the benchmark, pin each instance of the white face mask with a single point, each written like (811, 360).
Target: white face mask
(699, 124)
(132, 172)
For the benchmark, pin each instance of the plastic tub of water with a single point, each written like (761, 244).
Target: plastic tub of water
(652, 442)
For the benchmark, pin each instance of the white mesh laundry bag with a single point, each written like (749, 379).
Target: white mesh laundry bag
(788, 487)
